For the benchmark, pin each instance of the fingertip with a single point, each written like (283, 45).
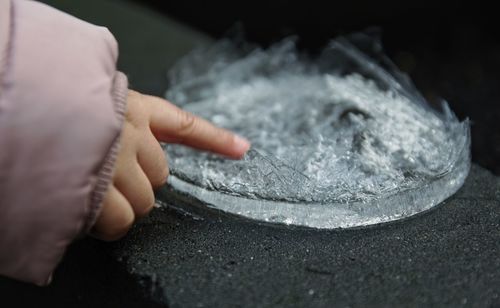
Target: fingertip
(240, 146)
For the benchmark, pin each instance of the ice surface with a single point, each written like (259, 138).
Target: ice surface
(337, 141)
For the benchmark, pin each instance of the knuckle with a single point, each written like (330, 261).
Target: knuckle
(187, 123)
(133, 98)
(137, 112)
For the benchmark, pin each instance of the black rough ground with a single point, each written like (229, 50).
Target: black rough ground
(449, 256)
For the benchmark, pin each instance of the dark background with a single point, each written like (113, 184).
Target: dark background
(450, 49)
(315, 22)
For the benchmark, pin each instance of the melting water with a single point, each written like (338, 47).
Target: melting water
(336, 142)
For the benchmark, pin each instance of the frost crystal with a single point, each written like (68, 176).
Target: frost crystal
(336, 142)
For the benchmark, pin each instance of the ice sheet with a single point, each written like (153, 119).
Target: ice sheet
(337, 141)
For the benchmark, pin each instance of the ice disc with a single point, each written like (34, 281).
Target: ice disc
(339, 141)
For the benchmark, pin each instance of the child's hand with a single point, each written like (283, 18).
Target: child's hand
(141, 164)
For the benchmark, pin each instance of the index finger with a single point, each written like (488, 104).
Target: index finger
(171, 124)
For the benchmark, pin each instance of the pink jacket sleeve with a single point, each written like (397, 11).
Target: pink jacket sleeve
(62, 105)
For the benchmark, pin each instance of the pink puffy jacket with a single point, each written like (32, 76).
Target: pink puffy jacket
(62, 104)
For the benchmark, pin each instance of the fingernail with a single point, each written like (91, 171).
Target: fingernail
(241, 144)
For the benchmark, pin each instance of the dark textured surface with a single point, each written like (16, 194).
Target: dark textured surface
(446, 257)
